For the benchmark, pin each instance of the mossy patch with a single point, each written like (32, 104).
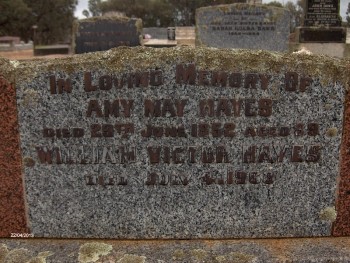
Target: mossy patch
(91, 252)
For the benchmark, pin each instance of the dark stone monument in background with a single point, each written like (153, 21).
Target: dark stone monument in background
(106, 32)
(322, 22)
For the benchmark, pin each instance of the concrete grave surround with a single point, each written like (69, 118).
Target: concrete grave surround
(264, 163)
(243, 26)
(106, 32)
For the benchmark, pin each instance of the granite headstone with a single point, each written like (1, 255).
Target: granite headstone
(243, 26)
(322, 22)
(106, 32)
(322, 13)
(182, 143)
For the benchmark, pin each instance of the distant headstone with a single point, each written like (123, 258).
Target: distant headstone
(322, 13)
(243, 26)
(106, 32)
(177, 143)
(51, 49)
(322, 22)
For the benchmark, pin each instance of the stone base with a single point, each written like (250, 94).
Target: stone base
(339, 50)
(321, 35)
(159, 43)
(320, 250)
(50, 50)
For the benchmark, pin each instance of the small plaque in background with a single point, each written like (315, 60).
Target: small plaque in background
(322, 13)
(322, 23)
(243, 26)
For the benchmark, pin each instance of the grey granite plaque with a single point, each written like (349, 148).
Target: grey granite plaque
(181, 143)
(243, 26)
(106, 32)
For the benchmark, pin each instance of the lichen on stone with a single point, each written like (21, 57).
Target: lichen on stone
(37, 260)
(28, 161)
(328, 214)
(199, 254)
(31, 98)
(41, 258)
(332, 132)
(179, 254)
(130, 258)
(236, 257)
(91, 252)
(3, 252)
(20, 255)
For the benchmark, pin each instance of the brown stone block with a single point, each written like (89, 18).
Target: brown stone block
(12, 205)
(341, 226)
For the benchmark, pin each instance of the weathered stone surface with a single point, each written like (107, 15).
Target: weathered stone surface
(342, 224)
(243, 26)
(106, 32)
(12, 209)
(320, 250)
(243, 143)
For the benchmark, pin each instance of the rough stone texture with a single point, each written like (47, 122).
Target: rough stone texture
(316, 250)
(106, 32)
(82, 195)
(12, 208)
(243, 26)
(342, 224)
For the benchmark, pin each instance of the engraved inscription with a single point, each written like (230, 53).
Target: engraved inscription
(174, 140)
